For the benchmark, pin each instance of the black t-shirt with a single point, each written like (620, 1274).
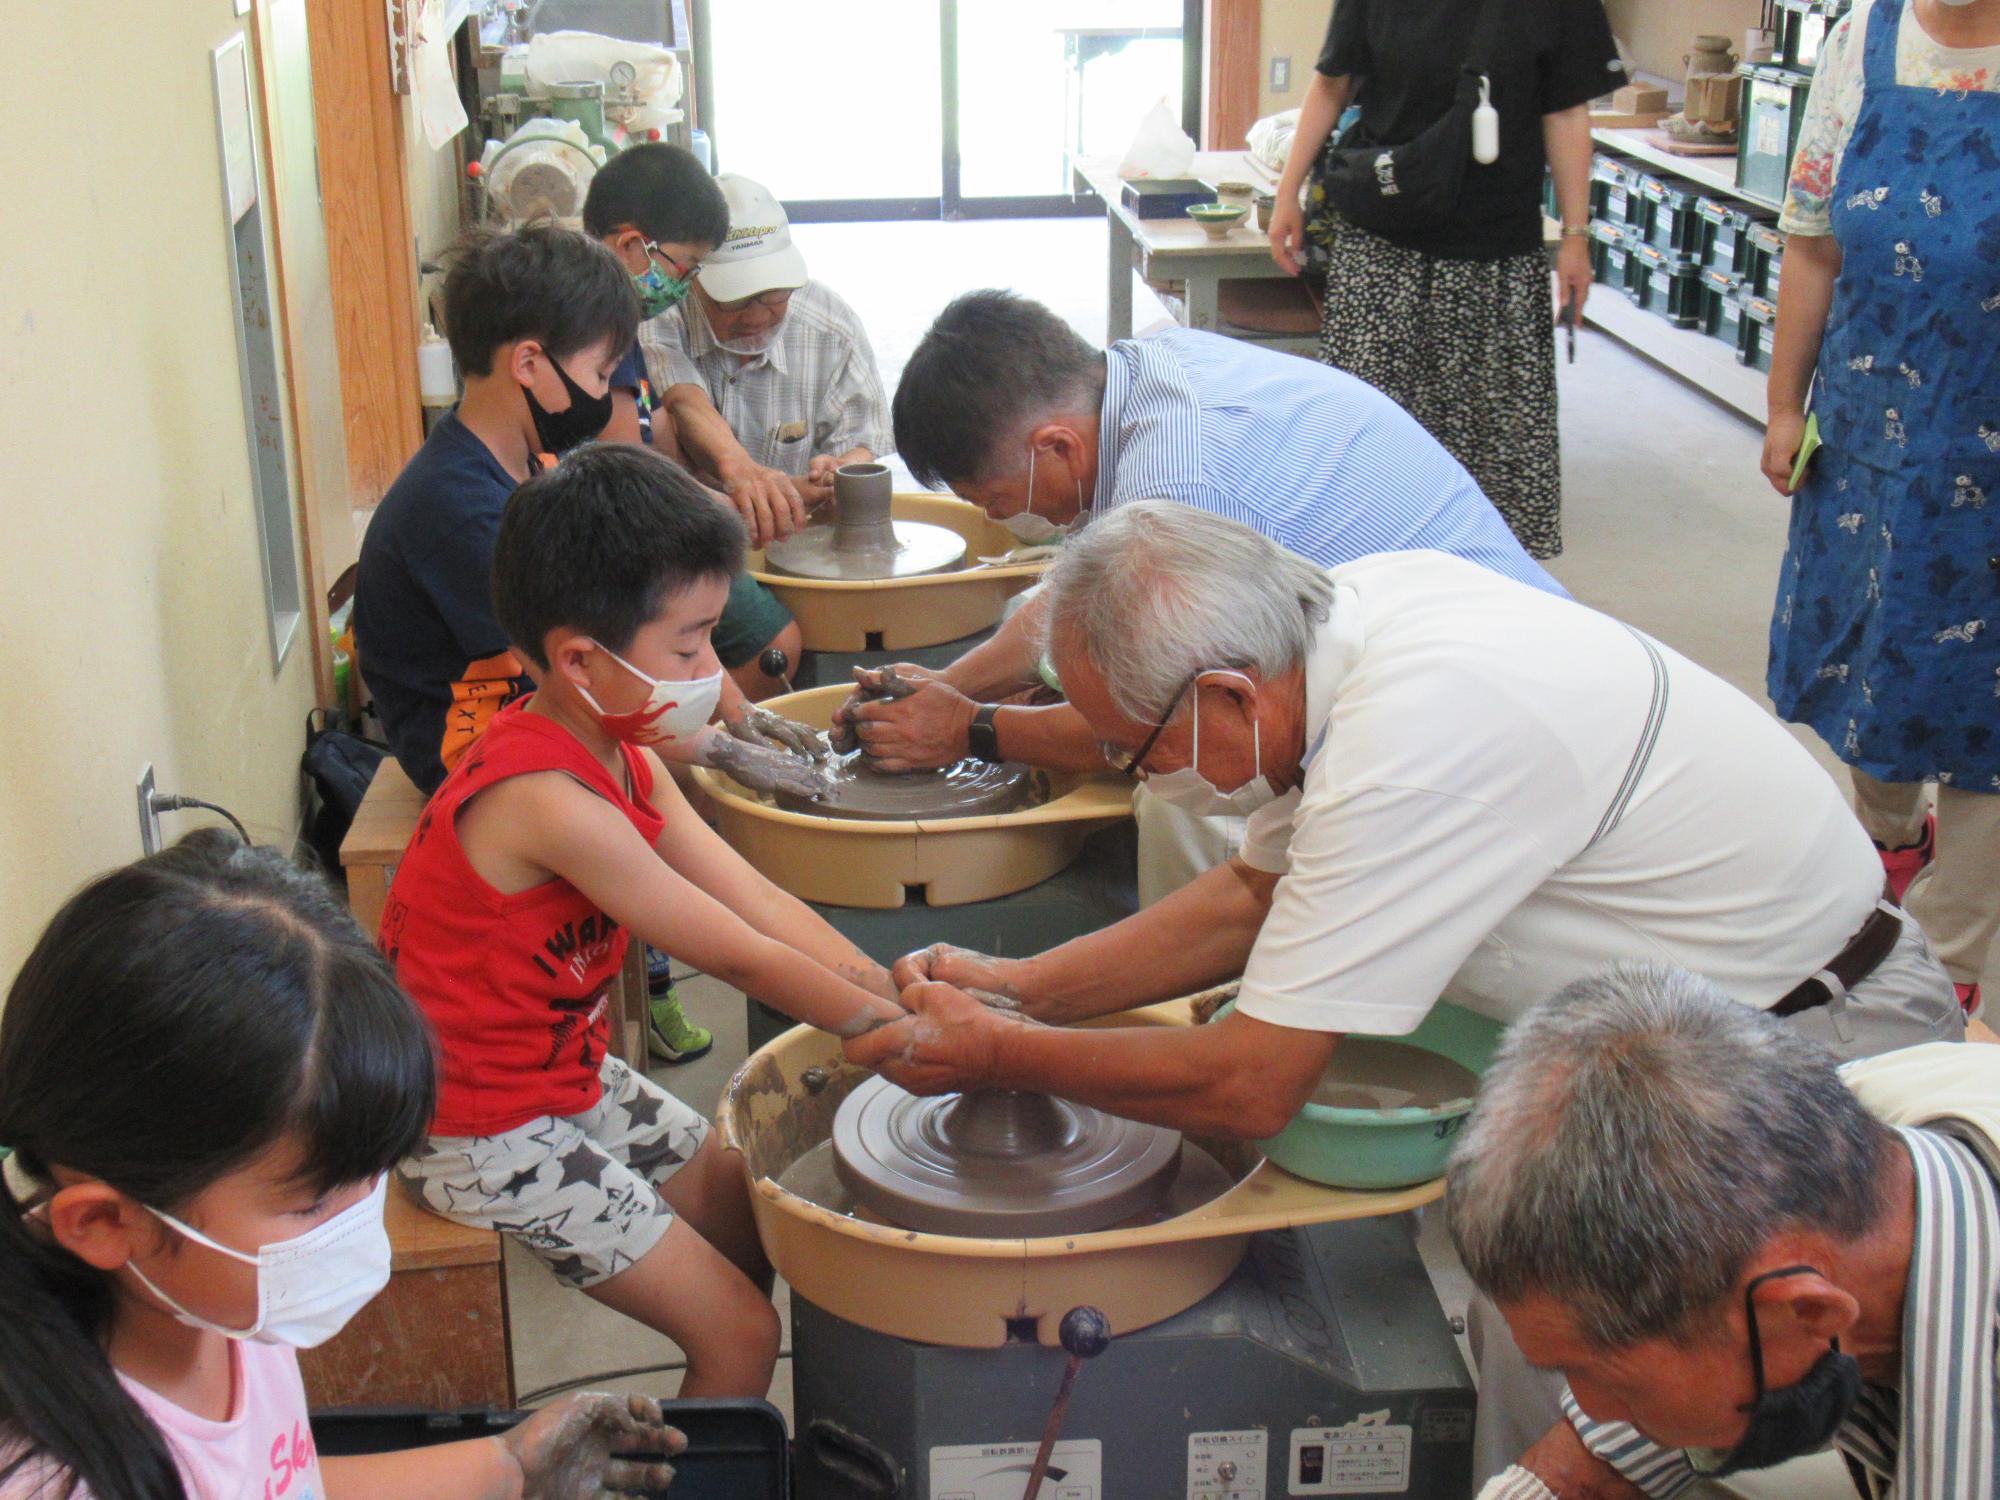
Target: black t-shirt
(1405, 55)
(434, 656)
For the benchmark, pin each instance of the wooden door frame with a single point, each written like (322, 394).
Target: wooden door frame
(1232, 35)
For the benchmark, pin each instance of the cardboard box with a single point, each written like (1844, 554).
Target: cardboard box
(1639, 99)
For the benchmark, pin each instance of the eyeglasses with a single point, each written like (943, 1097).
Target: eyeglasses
(685, 273)
(763, 299)
(1130, 769)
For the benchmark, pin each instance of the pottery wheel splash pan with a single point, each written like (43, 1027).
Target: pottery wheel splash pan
(972, 1291)
(908, 611)
(859, 540)
(876, 863)
(998, 1163)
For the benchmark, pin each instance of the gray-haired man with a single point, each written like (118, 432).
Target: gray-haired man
(1733, 1252)
(1457, 786)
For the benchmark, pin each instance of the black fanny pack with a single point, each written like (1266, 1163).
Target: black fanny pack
(1399, 188)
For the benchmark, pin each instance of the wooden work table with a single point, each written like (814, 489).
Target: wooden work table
(1178, 249)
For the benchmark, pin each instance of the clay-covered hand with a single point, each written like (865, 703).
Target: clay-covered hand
(928, 727)
(872, 684)
(581, 1448)
(763, 769)
(767, 500)
(817, 487)
(968, 970)
(949, 1042)
(759, 726)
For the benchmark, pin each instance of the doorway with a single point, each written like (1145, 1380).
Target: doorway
(928, 109)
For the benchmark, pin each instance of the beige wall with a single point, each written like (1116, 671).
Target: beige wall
(435, 181)
(132, 622)
(1294, 29)
(1656, 34)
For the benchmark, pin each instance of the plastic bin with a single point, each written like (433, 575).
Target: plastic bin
(737, 1450)
(1606, 237)
(1725, 234)
(1766, 260)
(1772, 108)
(1666, 285)
(1606, 172)
(1760, 323)
(1721, 296)
(1802, 26)
(1672, 224)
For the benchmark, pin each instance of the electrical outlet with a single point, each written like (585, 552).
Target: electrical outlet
(1281, 74)
(149, 818)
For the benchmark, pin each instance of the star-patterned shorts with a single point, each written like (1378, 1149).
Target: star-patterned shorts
(578, 1190)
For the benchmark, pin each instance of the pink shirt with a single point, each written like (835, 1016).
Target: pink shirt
(265, 1448)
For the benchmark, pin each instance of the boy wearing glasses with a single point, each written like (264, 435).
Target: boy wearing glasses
(763, 366)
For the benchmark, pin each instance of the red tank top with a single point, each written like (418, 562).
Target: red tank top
(517, 987)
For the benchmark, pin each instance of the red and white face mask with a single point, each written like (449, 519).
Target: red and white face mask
(672, 710)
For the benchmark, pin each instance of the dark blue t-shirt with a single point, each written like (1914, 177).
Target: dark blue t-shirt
(631, 376)
(434, 657)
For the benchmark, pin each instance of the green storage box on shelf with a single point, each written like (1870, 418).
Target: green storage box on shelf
(1607, 239)
(1671, 221)
(1767, 255)
(1801, 28)
(1390, 1148)
(1721, 296)
(1772, 107)
(1607, 172)
(1760, 323)
(1668, 286)
(1725, 234)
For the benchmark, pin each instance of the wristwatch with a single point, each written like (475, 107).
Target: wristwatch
(982, 739)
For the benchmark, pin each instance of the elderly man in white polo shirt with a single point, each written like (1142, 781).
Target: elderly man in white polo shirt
(767, 375)
(1458, 786)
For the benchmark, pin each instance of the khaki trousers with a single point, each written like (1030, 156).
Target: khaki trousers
(1957, 900)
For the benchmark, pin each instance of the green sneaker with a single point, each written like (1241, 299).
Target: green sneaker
(672, 1037)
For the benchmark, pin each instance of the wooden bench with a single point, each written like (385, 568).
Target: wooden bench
(437, 1335)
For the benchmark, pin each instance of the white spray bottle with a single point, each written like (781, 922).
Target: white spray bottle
(1485, 126)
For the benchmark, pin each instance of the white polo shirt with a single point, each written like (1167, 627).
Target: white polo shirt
(1506, 791)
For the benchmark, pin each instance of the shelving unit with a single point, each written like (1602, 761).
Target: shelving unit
(1708, 363)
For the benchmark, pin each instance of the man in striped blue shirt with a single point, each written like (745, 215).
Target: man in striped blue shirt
(1005, 404)
(1734, 1252)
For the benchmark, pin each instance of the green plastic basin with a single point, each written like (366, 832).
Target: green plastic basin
(1390, 1148)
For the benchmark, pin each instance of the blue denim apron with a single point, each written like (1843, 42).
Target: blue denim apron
(1886, 637)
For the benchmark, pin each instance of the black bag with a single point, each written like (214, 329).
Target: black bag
(1390, 189)
(338, 767)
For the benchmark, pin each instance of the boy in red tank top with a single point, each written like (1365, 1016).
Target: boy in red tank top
(557, 839)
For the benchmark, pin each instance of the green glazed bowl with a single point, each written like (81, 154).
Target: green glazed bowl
(1389, 1148)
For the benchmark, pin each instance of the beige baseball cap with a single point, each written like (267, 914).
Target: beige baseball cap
(758, 255)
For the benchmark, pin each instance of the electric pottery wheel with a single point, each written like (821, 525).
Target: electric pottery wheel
(980, 1288)
(863, 542)
(906, 610)
(839, 853)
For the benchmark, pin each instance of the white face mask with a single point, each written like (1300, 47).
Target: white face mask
(672, 710)
(1035, 531)
(751, 344)
(1193, 792)
(308, 1287)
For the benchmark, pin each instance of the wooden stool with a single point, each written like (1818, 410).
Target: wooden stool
(437, 1335)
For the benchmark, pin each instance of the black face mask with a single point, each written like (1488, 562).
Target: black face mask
(579, 422)
(1793, 1420)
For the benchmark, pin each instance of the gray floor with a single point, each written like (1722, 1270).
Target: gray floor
(1669, 525)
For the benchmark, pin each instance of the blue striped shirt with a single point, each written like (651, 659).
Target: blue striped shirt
(1933, 1436)
(1318, 461)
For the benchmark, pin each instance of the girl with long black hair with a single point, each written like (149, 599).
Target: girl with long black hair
(205, 1073)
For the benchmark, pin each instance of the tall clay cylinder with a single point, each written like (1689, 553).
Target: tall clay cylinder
(861, 495)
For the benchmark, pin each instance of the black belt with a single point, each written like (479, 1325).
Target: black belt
(1855, 962)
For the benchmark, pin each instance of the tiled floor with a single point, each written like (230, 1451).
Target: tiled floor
(1669, 526)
